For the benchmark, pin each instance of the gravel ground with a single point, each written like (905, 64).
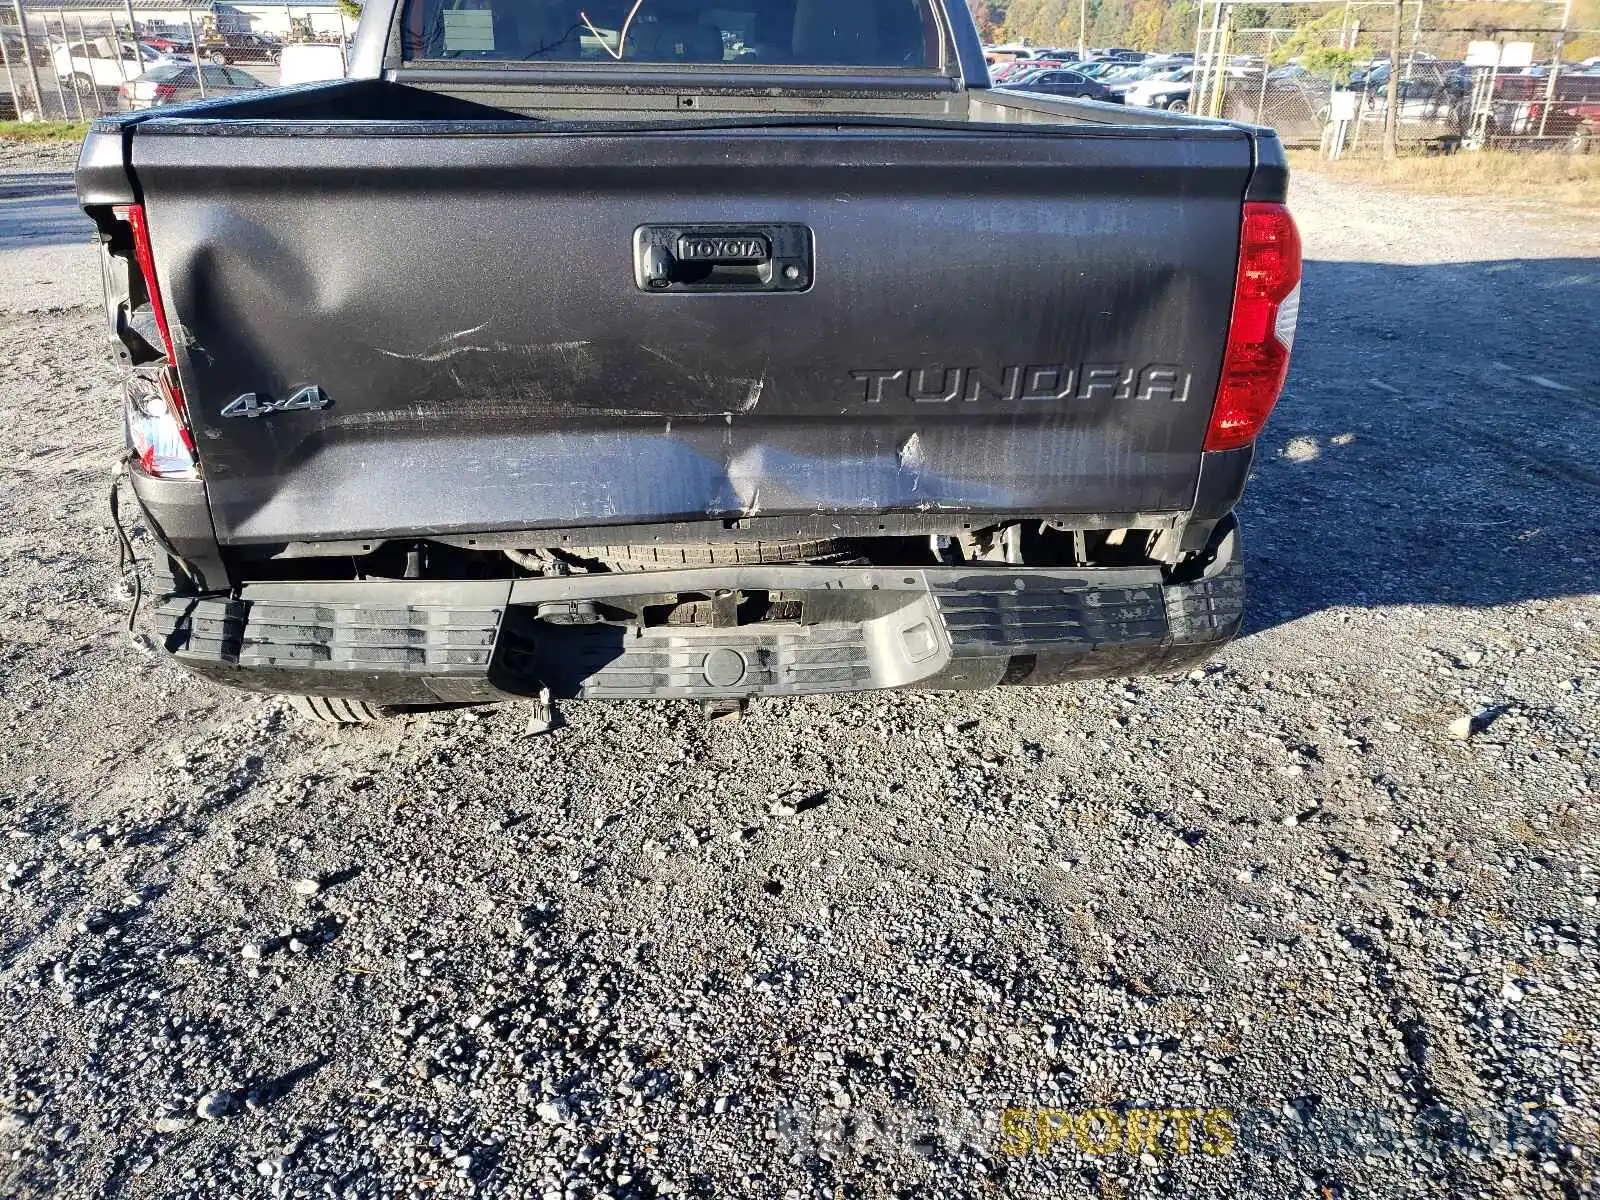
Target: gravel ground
(1294, 925)
(31, 156)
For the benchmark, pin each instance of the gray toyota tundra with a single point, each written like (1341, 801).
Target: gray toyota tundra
(670, 348)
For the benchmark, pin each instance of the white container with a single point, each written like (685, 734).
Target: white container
(309, 63)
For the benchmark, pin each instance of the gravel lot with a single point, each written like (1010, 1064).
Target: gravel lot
(821, 951)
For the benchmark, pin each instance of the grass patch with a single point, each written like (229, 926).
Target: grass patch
(1572, 179)
(44, 131)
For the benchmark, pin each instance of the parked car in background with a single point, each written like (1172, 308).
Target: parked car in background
(173, 46)
(1169, 90)
(1433, 97)
(1119, 54)
(241, 47)
(1029, 69)
(1434, 75)
(1062, 82)
(994, 55)
(1006, 72)
(1424, 111)
(1017, 78)
(179, 83)
(104, 63)
(1294, 101)
(1530, 107)
(1122, 77)
(167, 36)
(1360, 77)
(156, 32)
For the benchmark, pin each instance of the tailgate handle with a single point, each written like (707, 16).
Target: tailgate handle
(722, 258)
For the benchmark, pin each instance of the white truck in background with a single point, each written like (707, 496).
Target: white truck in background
(103, 62)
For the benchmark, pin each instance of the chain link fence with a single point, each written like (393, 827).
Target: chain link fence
(69, 66)
(1326, 84)
(66, 63)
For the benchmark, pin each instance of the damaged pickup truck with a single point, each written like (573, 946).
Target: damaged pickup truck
(670, 348)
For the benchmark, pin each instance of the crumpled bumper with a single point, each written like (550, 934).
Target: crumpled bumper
(862, 628)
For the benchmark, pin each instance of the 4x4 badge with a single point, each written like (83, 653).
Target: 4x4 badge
(252, 405)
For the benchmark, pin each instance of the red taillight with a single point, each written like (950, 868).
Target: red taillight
(1266, 306)
(158, 423)
(133, 214)
(165, 91)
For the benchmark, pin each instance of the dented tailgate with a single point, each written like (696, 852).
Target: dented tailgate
(390, 333)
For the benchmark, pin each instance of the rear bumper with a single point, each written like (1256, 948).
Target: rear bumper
(863, 628)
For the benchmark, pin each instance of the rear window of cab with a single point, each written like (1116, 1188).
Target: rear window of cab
(820, 33)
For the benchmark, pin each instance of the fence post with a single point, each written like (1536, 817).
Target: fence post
(199, 62)
(1219, 78)
(50, 53)
(83, 40)
(72, 67)
(11, 80)
(1202, 80)
(133, 39)
(27, 60)
(1266, 67)
(1555, 67)
(1391, 114)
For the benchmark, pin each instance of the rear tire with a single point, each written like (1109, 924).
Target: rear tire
(1181, 106)
(335, 710)
(217, 58)
(707, 554)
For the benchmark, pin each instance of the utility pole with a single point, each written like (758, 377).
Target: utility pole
(1391, 115)
(1083, 29)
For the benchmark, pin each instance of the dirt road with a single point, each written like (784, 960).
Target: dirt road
(1267, 929)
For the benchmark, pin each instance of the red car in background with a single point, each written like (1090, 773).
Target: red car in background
(1520, 103)
(1018, 66)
